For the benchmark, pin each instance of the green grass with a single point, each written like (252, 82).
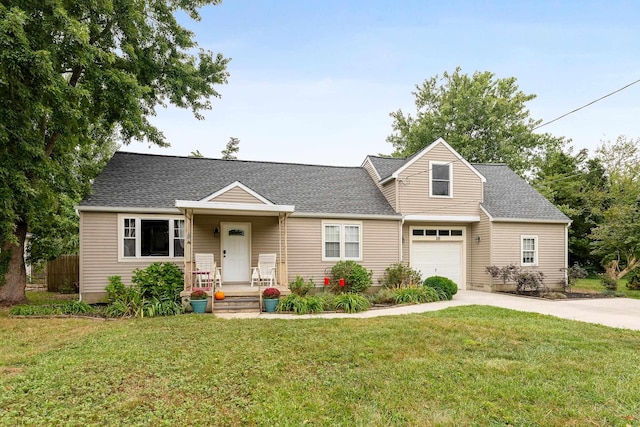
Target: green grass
(595, 285)
(460, 366)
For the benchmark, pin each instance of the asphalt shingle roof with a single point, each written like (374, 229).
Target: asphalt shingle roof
(386, 165)
(155, 181)
(506, 195)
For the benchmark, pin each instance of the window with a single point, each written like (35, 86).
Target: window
(152, 237)
(342, 241)
(529, 249)
(440, 179)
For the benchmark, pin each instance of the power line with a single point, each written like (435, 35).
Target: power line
(586, 105)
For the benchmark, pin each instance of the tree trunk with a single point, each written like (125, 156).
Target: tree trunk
(15, 276)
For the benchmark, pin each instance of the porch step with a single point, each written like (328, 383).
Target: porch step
(237, 304)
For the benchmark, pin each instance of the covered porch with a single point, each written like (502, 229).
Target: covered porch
(233, 236)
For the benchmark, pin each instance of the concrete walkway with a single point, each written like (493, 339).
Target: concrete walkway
(615, 312)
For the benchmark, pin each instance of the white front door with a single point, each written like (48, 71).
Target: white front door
(438, 259)
(236, 251)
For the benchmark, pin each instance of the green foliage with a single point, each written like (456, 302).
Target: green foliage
(417, 295)
(155, 292)
(439, 283)
(383, 296)
(301, 287)
(356, 278)
(115, 289)
(301, 304)
(351, 303)
(231, 150)
(160, 280)
(575, 273)
(482, 117)
(74, 78)
(633, 280)
(400, 275)
(609, 283)
(66, 308)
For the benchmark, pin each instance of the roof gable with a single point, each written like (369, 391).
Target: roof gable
(411, 160)
(236, 190)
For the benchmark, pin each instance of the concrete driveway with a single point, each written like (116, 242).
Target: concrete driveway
(615, 312)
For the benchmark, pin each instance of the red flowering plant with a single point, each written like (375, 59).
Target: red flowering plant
(271, 293)
(198, 294)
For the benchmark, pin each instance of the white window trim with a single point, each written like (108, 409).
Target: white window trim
(431, 164)
(342, 225)
(138, 218)
(535, 251)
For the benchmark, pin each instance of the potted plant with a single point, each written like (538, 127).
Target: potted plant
(199, 300)
(270, 297)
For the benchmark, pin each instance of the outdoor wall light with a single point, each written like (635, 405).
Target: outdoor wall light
(477, 239)
(216, 232)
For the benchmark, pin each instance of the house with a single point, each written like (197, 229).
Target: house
(433, 211)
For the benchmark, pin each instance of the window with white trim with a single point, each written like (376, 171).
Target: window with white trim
(529, 250)
(341, 241)
(152, 237)
(440, 185)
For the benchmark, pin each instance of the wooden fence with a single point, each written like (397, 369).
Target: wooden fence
(63, 274)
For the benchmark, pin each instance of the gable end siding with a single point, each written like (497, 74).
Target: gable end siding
(414, 185)
(236, 195)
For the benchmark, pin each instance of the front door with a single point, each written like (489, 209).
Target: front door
(236, 251)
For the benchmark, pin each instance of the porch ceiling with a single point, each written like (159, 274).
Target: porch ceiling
(217, 208)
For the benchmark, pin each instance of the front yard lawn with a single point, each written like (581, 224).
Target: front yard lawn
(460, 366)
(595, 285)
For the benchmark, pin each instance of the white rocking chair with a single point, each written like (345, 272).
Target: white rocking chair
(265, 272)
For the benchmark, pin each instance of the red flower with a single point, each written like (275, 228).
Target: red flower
(326, 281)
(342, 282)
(271, 293)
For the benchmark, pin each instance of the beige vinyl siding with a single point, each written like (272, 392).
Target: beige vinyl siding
(236, 195)
(368, 166)
(264, 235)
(506, 248)
(99, 254)
(380, 248)
(390, 193)
(479, 254)
(414, 187)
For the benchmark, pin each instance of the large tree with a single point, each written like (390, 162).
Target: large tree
(73, 75)
(617, 239)
(579, 187)
(484, 118)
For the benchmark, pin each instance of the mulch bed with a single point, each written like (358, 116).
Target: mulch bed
(567, 295)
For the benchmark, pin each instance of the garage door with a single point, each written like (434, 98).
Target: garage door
(438, 259)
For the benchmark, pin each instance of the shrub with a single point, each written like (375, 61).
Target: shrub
(155, 292)
(300, 304)
(399, 276)
(505, 273)
(383, 296)
(416, 295)
(609, 283)
(633, 280)
(574, 273)
(439, 283)
(357, 279)
(351, 303)
(115, 289)
(300, 287)
(529, 279)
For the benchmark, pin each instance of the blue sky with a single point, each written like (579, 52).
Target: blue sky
(314, 82)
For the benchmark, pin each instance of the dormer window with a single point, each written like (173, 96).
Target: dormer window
(441, 179)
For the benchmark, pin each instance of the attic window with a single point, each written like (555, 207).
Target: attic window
(440, 185)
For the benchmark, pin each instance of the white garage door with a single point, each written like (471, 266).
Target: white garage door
(438, 259)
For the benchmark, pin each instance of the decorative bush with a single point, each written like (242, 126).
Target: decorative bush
(633, 279)
(300, 287)
(383, 296)
(198, 294)
(399, 276)
(610, 283)
(155, 292)
(439, 283)
(416, 295)
(116, 289)
(505, 273)
(574, 273)
(351, 303)
(271, 293)
(300, 304)
(529, 280)
(357, 279)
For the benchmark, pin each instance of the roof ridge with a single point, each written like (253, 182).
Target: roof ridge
(236, 160)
